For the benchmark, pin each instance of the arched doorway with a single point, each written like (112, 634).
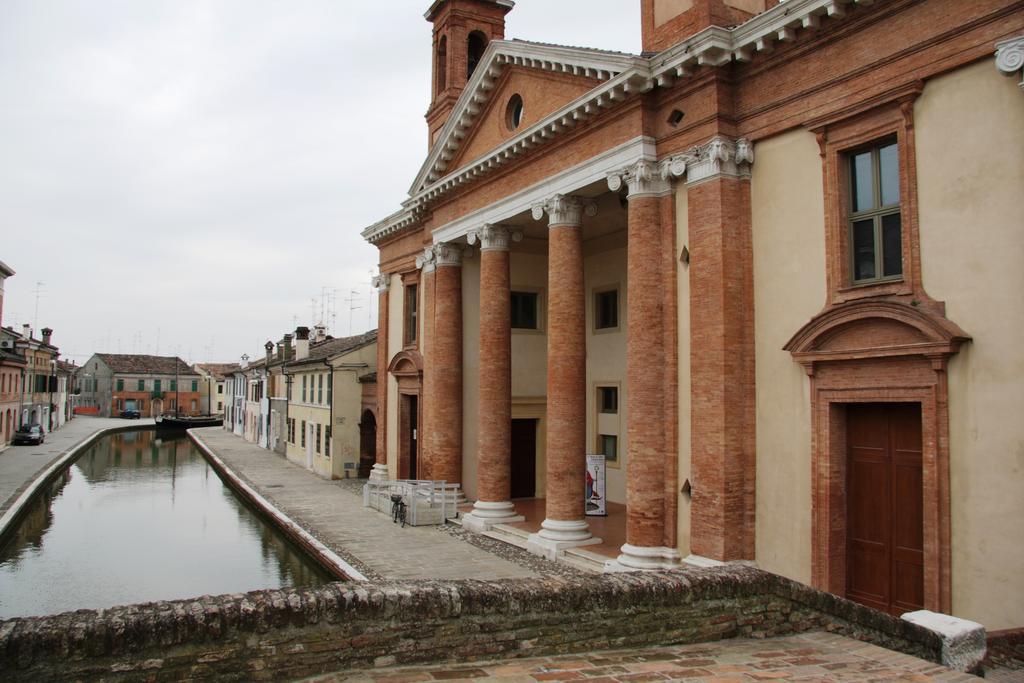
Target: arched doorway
(367, 442)
(407, 368)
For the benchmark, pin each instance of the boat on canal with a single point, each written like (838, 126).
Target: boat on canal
(188, 421)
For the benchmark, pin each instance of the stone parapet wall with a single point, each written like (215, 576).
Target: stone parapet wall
(277, 634)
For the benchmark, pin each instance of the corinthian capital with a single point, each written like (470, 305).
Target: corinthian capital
(449, 254)
(720, 156)
(496, 237)
(382, 281)
(564, 209)
(642, 178)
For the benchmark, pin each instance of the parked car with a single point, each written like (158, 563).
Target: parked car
(131, 414)
(28, 434)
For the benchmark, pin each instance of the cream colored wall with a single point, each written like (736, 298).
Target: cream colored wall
(787, 206)
(395, 294)
(529, 272)
(683, 344)
(470, 372)
(970, 137)
(665, 10)
(347, 397)
(314, 415)
(606, 359)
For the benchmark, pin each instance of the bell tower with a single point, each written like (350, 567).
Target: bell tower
(462, 31)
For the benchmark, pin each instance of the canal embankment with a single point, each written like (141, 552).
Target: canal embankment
(334, 518)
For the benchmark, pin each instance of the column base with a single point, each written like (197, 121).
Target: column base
(643, 558)
(556, 535)
(379, 472)
(486, 514)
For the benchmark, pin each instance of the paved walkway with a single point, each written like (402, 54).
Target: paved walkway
(19, 465)
(365, 538)
(806, 657)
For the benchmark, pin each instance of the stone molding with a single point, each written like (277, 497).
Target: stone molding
(425, 261)
(382, 282)
(643, 178)
(1010, 57)
(494, 237)
(564, 209)
(717, 157)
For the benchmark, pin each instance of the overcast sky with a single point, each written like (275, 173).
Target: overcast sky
(184, 176)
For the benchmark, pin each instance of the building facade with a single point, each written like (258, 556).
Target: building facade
(12, 370)
(770, 271)
(212, 386)
(324, 406)
(152, 385)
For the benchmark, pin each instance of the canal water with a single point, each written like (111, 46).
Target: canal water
(140, 517)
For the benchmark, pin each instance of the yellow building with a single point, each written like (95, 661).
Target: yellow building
(325, 402)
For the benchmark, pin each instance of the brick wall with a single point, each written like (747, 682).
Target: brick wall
(291, 633)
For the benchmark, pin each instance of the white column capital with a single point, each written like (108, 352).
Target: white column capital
(565, 209)
(720, 156)
(382, 282)
(1010, 57)
(450, 254)
(494, 237)
(643, 178)
(426, 261)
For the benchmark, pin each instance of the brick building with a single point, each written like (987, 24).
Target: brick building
(153, 385)
(770, 268)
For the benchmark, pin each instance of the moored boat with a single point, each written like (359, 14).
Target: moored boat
(188, 422)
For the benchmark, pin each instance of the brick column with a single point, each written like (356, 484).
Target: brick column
(444, 395)
(722, 353)
(565, 525)
(494, 409)
(425, 341)
(380, 466)
(645, 546)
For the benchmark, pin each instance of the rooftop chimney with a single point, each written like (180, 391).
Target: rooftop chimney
(319, 333)
(286, 348)
(301, 343)
(47, 333)
(26, 331)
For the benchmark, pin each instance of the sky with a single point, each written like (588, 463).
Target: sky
(190, 177)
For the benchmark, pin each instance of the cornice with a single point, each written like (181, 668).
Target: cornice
(1010, 57)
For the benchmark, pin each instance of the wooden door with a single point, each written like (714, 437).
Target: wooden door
(884, 500)
(524, 458)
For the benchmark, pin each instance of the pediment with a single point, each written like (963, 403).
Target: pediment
(875, 329)
(406, 363)
(542, 94)
(580, 69)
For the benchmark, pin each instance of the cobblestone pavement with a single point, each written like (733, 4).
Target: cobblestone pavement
(367, 539)
(808, 657)
(19, 465)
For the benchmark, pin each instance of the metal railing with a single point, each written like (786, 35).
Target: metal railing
(426, 501)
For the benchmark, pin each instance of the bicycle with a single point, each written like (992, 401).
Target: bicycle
(398, 509)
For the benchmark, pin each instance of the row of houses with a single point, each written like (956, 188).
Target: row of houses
(36, 386)
(310, 398)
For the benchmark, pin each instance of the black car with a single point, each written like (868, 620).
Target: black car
(28, 434)
(131, 414)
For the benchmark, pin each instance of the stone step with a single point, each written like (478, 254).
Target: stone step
(509, 534)
(584, 559)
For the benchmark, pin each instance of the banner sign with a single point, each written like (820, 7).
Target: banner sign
(596, 472)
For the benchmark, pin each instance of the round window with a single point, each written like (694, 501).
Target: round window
(514, 112)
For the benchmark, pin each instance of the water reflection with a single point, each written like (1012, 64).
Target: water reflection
(141, 517)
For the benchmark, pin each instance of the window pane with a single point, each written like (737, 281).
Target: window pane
(863, 186)
(892, 247)
(609, 447)
(609, 399)
(864, 250)
(524, 310)
(890, 175)
(607, 310)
